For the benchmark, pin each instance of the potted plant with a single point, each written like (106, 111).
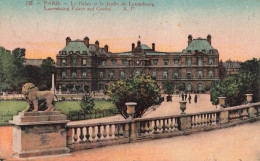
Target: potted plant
(168, 89)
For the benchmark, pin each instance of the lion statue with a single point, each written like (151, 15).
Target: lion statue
(38, 100)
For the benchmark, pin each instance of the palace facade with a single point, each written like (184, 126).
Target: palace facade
(84, 65)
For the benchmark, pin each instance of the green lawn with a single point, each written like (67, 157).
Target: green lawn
(14, 107)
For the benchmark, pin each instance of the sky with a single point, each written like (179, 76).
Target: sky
(233, 24)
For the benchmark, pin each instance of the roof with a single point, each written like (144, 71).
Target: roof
(145, 47)
(76, 46)
(199, 45)
(231, 64)
(34, 62)
(155, 53)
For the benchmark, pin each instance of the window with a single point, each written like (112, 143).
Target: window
(63, 63)
(63, 74)
(166, 61)
(114, 62)
(101, 75)
(176, 75)
(111, 75)
(188, 61)
(84, 62)
(154, 74)
(188, 74)
(74, 75)
(200, 74)
(155, 62)
(211, 74)
(84, 74)
(74, 87)
(73, 63)
(199, 87)
(164, 75)
(176, 61)
(137, 72)
(211, 61)
(189, 87)
(124, 62)
(122, 74)
(104, 63)
(199, 61)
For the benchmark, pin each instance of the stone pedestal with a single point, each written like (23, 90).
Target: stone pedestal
(39, 133)
(222, 102)
(249, 98)
(184, 123)
(223, 118)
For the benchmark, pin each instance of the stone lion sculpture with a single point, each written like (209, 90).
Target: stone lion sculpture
(38, 100)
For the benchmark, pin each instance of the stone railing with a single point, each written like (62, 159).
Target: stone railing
(87, 136)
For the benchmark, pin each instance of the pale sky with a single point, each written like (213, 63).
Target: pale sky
(233, 24)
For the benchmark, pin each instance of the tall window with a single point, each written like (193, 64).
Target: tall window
(166, 61)
(199, 61)
(165, 75)
(122, 74)
(84, 62)
(114, 62)
(63, 74)
(104, 63)
(176, 75)
(176, 61)
(155, 62)
(111, 75)
(211, 74)
(74, 61)
(188, 74)
(101, 75)
(63, 63)
(189, 87)
(211, 61)
(124, 62)
(188, 61)
(200, 74)
(74, 75)
(154, 74)
(199, 87)
(84, 74)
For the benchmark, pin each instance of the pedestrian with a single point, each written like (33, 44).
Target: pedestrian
(189, 98)
(182, 96)
(195, 98)
(185, 96)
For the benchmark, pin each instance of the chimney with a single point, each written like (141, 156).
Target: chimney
(133, 46)
(153, 46)
(209, 39)
(86, 41)
(68, 40)
(138, 43)
(97, 45)
(106, 48)
(189, 39)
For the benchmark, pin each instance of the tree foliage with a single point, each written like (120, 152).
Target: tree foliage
(87, 103)
(235, 87)
(168, 87)
(141, 89)
(47, 69)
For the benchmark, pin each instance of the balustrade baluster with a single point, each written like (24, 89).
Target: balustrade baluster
(142, 130)
(105, 131)
(168, 124)
(163, 127)
(155, 126)
(208, 119)
(121, 132)
(172, 125)
(175, 124)
(160, 125)
(75, 137)
(126, 130)
(87, 134)
(150, 126)
(205, 119)
(195, 121)
(146, 129)
(110, 132)
(93, 135)
(192, 121)
(99, 133)
(81, 136)
(116, 131)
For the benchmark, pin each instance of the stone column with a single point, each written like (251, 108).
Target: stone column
(52, 83)
(222, 102)
(39, 133)
(249, 98)
(131, 111)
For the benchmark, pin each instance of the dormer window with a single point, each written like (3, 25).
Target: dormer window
(211, 51)
(196, 51)
(64, 52)
(71, 52)
(77, 52)
(84, 52)
(189, 51)
(203, 50)
(63, 62)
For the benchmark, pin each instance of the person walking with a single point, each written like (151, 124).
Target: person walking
(195, 98)
(182, 96)
(185, 96)
(189, 98)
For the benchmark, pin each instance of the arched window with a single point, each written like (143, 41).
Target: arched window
(211, 74)
(199, 87)
(189, 87)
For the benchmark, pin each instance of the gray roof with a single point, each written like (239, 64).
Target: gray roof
(231, 64)
(76, 46)
(200, 45)
(155, 53)
(124, 53)
(144, 47)
(34, 62)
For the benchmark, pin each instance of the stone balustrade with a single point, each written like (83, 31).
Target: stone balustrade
(87, 136)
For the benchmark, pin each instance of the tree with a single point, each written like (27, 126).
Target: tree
(181, 86)
(141, 89)
(47, 69)
(235, 87)
(168, 87)
(32, 74)
(87, 103)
